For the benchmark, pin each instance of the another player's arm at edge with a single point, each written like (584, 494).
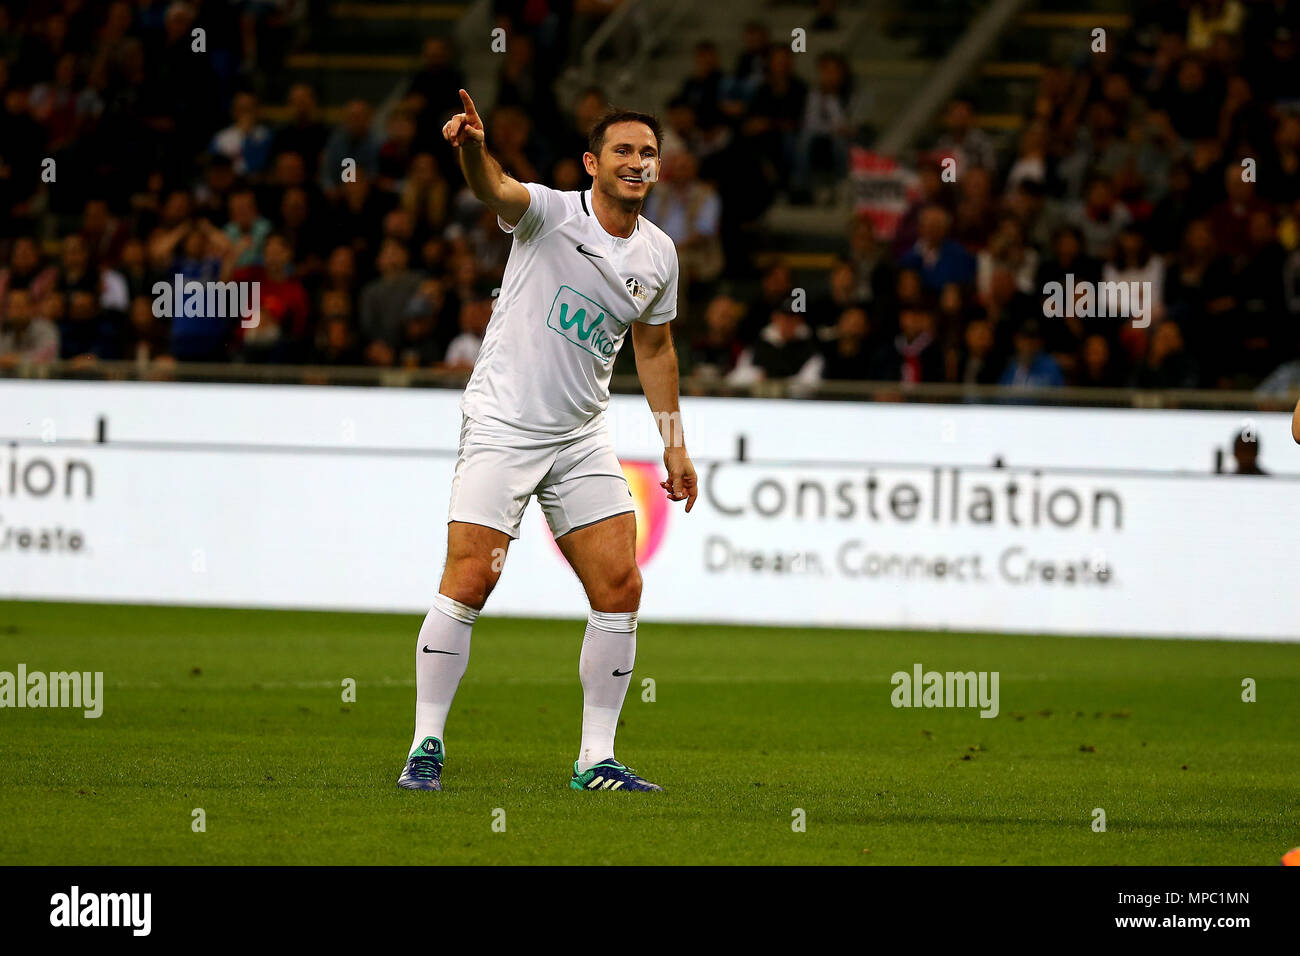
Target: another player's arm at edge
(1295, 423)
(656, 366)
(503, 194)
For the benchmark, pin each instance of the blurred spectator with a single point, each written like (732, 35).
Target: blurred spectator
(26, 270)
(437, 86)
(301, 227)
(433, 319)
(356, 216)
(103, 233)
(280, 332)
(786, 349)
(133, 265)
(964, 142)
(1261, 306)
(931, 193)
(939, 259)
(211, 197)
(688, 211)
(976, 215)
(1167, 364)
(572, 141)
(352, 141)
(826, 129)
(1195, 100)
(1006, 249)
(1067, 259)
(21, 138)
(521, 85)
(750, 69)
(774, 288)
(1031, 366)
(1031, 162)
(874, 273)
(464, 348)
(702, 89)
(1133, 261)
(1199, 295)
(715, 353)
(384, 303)
(977, 362)
(826, 17)
(424, 196)
(1006, 308)
(914, 354)
(1230, 219)
(89, 332)
(304, 134)
(247, 229)
(53, 104)
(1098, 367)
(336, 340)
(1100, 218)
(510, 130)
(774, 112)
(397, 150)
(245, 142)
(841, 293)
(147, 336)
(1273, 69)
(848, 353)
(25, 338)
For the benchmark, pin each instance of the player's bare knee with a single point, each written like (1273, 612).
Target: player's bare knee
(469, 582)
(620, 591)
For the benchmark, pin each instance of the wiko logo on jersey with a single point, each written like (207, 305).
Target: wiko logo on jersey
(585, 323)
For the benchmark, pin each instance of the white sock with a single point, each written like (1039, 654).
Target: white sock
(438, 670)
(609, 646)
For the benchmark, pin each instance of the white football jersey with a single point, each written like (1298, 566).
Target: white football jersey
(569, 295)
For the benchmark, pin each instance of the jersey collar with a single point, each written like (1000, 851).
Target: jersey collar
(586, 207)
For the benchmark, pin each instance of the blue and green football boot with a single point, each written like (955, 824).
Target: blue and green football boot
(609, 774)
(423, 770)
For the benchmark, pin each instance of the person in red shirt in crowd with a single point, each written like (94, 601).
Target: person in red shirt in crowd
(281, 330)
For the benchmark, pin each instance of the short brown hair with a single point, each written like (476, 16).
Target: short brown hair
(596, 140)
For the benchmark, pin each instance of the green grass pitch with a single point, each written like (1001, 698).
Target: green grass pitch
(240, 713)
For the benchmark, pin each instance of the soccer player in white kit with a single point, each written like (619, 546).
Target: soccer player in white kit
(584, 269)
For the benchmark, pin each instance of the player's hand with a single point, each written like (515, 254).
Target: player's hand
(682, 484)
(464, 128)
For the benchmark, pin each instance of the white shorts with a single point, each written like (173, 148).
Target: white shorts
(577, 480)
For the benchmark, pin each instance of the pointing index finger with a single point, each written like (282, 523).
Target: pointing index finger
(469, 105)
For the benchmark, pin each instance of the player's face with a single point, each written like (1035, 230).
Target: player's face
(628, 162)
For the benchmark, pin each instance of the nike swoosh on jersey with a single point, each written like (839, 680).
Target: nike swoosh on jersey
(585, 252)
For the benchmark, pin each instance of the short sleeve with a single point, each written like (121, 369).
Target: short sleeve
(664, 307)
(544, 211)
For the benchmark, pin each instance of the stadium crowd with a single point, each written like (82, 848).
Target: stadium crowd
(126, 159)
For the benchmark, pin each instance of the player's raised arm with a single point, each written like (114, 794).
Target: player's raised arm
(502, 194)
